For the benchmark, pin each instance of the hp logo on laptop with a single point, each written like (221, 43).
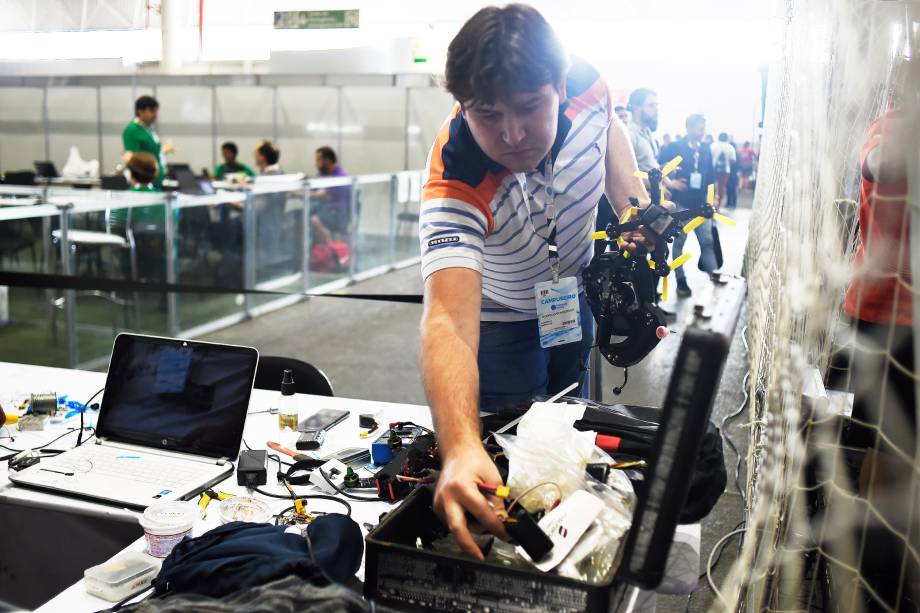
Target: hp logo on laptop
(165, 442)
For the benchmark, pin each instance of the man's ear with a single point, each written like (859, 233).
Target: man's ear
(561, 89)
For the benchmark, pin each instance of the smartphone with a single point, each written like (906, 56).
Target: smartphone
(323, 420)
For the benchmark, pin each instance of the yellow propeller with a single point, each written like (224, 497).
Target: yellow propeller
(671, 166)
(674, 265)
(640, 174)
(710, 199)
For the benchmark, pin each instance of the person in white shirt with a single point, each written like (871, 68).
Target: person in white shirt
(723, 156)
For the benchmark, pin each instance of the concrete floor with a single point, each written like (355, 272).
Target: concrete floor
(370, 350)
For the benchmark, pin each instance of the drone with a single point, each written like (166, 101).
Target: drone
(621, 286)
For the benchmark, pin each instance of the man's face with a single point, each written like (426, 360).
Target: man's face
(229, 156)
(322, 164)
(696, 131)
(148, 116)
(648, 112)
(518, 131)
(623, 115)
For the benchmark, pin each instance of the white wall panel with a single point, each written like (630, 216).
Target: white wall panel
(428, 109)
(72, 121)
(373, 124)
(244, 116)
(21, 138)
(308, 119)
(185, 118)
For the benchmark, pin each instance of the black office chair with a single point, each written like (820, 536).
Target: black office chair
(308, 379)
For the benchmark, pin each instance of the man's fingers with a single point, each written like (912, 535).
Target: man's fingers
(486, 514)
(453, 515)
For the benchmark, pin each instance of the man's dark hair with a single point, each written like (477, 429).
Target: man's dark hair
(694, 120)
(231, 147)
(619, 108)
(500, 51)
(723, 136)
(638, 98)
(328, 154)
(145, 102)
(143, 167)
(271, 153)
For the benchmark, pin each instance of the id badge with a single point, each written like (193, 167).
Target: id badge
(696, 180)
(558, 312)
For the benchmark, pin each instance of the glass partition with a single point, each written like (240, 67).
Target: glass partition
(280, 234)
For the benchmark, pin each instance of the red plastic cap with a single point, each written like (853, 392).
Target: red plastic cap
(661, 332)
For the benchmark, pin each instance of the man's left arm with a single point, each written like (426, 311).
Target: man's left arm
(621, 182)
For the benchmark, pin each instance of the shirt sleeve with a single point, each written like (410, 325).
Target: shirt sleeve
(129, 139)
(452, 227)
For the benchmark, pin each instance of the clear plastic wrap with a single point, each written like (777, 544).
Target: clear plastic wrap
(553, 453)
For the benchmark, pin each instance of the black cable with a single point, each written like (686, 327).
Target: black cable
(619, 390)
(83, 414)
(343, 492)
(344, 503)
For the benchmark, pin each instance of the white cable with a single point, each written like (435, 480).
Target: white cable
(712, 584)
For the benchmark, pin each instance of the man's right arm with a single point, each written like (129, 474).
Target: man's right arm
(450, 373)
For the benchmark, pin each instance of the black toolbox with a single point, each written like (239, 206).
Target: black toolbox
(400, 572)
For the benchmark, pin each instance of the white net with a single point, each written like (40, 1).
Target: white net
(828, 523)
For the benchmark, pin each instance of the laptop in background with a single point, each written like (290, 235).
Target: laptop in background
(114, 182)
(190, 184)
(46, 170)
(170, 424)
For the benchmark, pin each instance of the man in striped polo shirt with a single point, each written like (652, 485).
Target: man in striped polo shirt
(508, 209)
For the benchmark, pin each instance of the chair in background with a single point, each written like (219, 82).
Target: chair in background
(116, 236)
(308, 379)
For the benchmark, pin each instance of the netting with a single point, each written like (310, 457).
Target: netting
(831, 498)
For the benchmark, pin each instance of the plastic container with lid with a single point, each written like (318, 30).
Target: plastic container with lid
(244, 508)
(121, 576)
(166, 524)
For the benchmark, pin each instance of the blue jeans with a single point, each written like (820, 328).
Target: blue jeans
(707, 262)
(513, 368)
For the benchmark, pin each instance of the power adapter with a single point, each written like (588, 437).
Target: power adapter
(250, 470)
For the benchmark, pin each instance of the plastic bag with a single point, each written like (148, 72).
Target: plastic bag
(556, 454)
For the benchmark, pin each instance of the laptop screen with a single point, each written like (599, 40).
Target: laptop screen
(178, 395)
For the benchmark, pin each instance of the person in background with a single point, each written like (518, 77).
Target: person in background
(267, 156)
(140, 137)
(621, 112)
(746, 164)
(707, 140)
(731, 189)
(143, 170)
(723, 156)
(688, 191)
(879, 301)
(231, 166)
(330, 207)
(665, 139)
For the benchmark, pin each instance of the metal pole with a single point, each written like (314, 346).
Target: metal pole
(45, 126)
(406, 131)
(341, 115)
(249, 250)
(172, 316)
(306, 242)
(213, 126)
(596, 383)
(394, 197)
(99, 128)
(352, 261)
(275, 114)
(70, 296)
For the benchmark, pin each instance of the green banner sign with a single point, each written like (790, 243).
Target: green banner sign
(316, 20)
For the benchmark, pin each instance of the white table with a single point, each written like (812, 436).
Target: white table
(19, 380)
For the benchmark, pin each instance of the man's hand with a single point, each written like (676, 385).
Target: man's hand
(677, 185)
(457, 494)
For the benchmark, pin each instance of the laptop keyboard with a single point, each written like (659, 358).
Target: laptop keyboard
(127, 464)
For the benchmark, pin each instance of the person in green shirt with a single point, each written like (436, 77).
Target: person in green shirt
(139, 135)
(231, 166)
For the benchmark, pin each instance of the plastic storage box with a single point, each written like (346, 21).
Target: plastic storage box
(120, 577)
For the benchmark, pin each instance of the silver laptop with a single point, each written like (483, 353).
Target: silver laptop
(170, 424)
